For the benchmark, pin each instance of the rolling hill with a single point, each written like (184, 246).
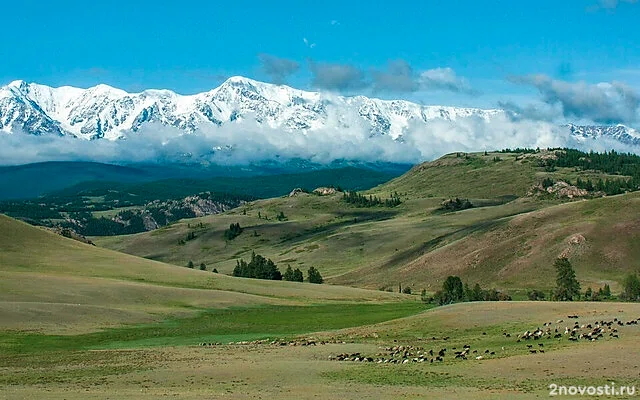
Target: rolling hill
(508, 240)
(53, 284)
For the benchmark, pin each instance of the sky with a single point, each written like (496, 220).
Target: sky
(464, 53)
(546, 62)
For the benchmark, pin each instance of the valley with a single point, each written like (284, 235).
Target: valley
(416, 243)
(320, 200)
(126, 316)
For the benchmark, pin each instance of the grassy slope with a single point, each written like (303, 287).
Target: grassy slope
(476, 177)
(510, 246)
(51, 282)
(599, 236)
(302, 372)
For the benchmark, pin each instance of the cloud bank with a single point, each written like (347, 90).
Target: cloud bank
(398, 77)
(605, 103)
(246, 142)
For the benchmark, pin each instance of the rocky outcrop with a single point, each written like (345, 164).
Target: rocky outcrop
(71, 234)
(562, 189)
(324, 191)
(296, 192)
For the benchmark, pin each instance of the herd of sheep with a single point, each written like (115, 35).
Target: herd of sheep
(399, 354)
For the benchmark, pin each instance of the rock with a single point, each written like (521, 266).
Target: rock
(71, 234)
(562, 189)
(296, 192)
(324, 191)
(577, 239)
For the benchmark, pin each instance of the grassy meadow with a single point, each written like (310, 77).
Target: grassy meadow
(127, 319)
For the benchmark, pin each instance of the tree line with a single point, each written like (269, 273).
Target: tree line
(260, 267)
(455, 291)
(608, 186)
(568, 288)
(360, 200)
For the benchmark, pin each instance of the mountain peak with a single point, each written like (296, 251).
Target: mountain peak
(18, 84)
(105, 112)
(103, 89)
(237, 79)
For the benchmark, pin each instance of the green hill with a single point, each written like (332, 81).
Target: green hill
(508, 239)
(48, 282)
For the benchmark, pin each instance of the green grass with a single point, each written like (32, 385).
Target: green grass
(216, 325)
(509, 241)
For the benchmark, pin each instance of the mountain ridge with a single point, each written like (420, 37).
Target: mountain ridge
(105, 112)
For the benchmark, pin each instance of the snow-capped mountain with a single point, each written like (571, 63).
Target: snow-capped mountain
(621, 133)
(104, 112)
(110, 113)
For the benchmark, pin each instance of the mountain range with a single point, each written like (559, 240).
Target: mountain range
(104, 112)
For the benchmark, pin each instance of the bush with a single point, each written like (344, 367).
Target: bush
(233, 232)
(203, 267)
(190, 264)
(535, 295)
(406, 290)
(313, 275)
(456, 204)
(293, 275)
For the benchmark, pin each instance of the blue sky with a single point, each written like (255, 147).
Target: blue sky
(466, 53)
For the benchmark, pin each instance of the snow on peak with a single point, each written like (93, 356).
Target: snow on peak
(17, 83)
(105, 112)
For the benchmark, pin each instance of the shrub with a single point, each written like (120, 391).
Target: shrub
(234, 231)
(313, 275)
(536, 295)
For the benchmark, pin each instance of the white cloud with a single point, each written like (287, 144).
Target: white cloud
(308, 43)
(247, 141)
(444, 79)
(604, 102)
(400, 76)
